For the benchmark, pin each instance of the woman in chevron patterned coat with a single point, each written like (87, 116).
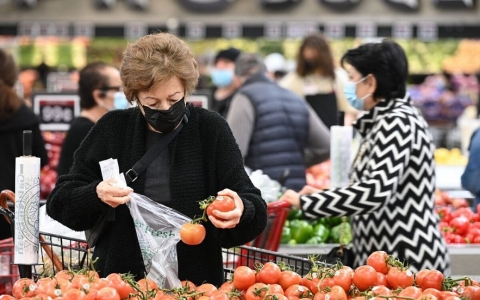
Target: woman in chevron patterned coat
(391, 196)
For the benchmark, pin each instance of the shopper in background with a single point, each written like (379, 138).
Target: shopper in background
(158, 72)
(391, 196)
(471, 175)
(315, 80)
(15, 117)
(274, 128)
(100, 90)
(276, 66)
(222, 78)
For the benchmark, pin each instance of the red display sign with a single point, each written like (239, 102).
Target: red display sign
(56, 111)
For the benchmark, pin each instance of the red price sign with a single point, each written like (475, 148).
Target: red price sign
(56, 111)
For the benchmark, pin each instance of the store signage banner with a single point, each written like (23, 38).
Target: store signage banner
(402, 30)
(273, 30)
(334, 30)
(195, 30)
(56, 111)
(427, 31)
(232, 30)
(135, 30)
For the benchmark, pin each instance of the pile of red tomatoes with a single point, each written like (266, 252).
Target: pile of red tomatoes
(383, 277)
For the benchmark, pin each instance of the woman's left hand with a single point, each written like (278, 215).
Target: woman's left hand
(231, 218)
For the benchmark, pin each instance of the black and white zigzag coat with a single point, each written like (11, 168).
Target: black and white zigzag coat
(391, 198)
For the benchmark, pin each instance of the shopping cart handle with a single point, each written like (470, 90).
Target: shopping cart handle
(279, 204)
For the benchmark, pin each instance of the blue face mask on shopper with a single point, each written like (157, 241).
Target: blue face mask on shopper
(120, 101)
(350, 91)
(222, 78)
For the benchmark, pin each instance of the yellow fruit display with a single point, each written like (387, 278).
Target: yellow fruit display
(453, 157)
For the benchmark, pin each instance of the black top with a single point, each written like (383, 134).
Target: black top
(11, 141)
(78, 131)
(204, 159)
(157, 184)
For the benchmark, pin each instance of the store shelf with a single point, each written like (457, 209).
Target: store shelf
(465, 259)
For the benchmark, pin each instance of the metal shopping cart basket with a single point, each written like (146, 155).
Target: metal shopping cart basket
(56, 253)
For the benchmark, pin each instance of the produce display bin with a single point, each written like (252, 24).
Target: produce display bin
(464, 259)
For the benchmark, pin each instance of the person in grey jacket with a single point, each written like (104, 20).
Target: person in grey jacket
(276, 130)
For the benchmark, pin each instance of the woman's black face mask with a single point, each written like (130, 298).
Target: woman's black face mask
(165, 120)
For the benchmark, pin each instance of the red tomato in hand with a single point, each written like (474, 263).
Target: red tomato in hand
(243, 278)
(364, 277)
(221, 203)
(269, 273)
(192, 234)
(378, 260)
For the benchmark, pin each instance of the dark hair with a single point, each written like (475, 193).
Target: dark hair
(386, 61)
(92, 77)
(9, 101)
(228, 54)
(324, 61)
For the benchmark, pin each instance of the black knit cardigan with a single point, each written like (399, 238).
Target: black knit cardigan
(204, 159)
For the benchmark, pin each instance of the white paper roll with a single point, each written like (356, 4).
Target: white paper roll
(340, 155)
(27, 199)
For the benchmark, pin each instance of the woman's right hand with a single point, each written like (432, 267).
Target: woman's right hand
(111, 193)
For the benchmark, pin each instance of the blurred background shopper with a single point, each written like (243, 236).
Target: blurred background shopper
(276, 130)
(15, 117)
(100, 90)
(224, 81)
(315, 79)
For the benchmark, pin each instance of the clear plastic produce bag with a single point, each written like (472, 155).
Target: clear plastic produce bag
(157, 228)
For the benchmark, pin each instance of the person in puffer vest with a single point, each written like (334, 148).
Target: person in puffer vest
(276, 130)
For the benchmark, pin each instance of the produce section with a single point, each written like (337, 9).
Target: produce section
(273, 276)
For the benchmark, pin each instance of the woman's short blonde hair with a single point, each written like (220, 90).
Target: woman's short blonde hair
(154, 59)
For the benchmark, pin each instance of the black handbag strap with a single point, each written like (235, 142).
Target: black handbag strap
(141, 165)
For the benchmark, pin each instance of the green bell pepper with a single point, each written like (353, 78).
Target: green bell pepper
(300, 230)
(336, 233)
(286, 235)
(322, 232)
(295, 214)
(315, 240)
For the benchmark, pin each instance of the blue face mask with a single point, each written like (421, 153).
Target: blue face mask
(120, 101)
(350, 91)
(222, 78)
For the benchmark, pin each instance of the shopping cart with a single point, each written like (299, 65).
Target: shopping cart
(57, 253)
(270, 238)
